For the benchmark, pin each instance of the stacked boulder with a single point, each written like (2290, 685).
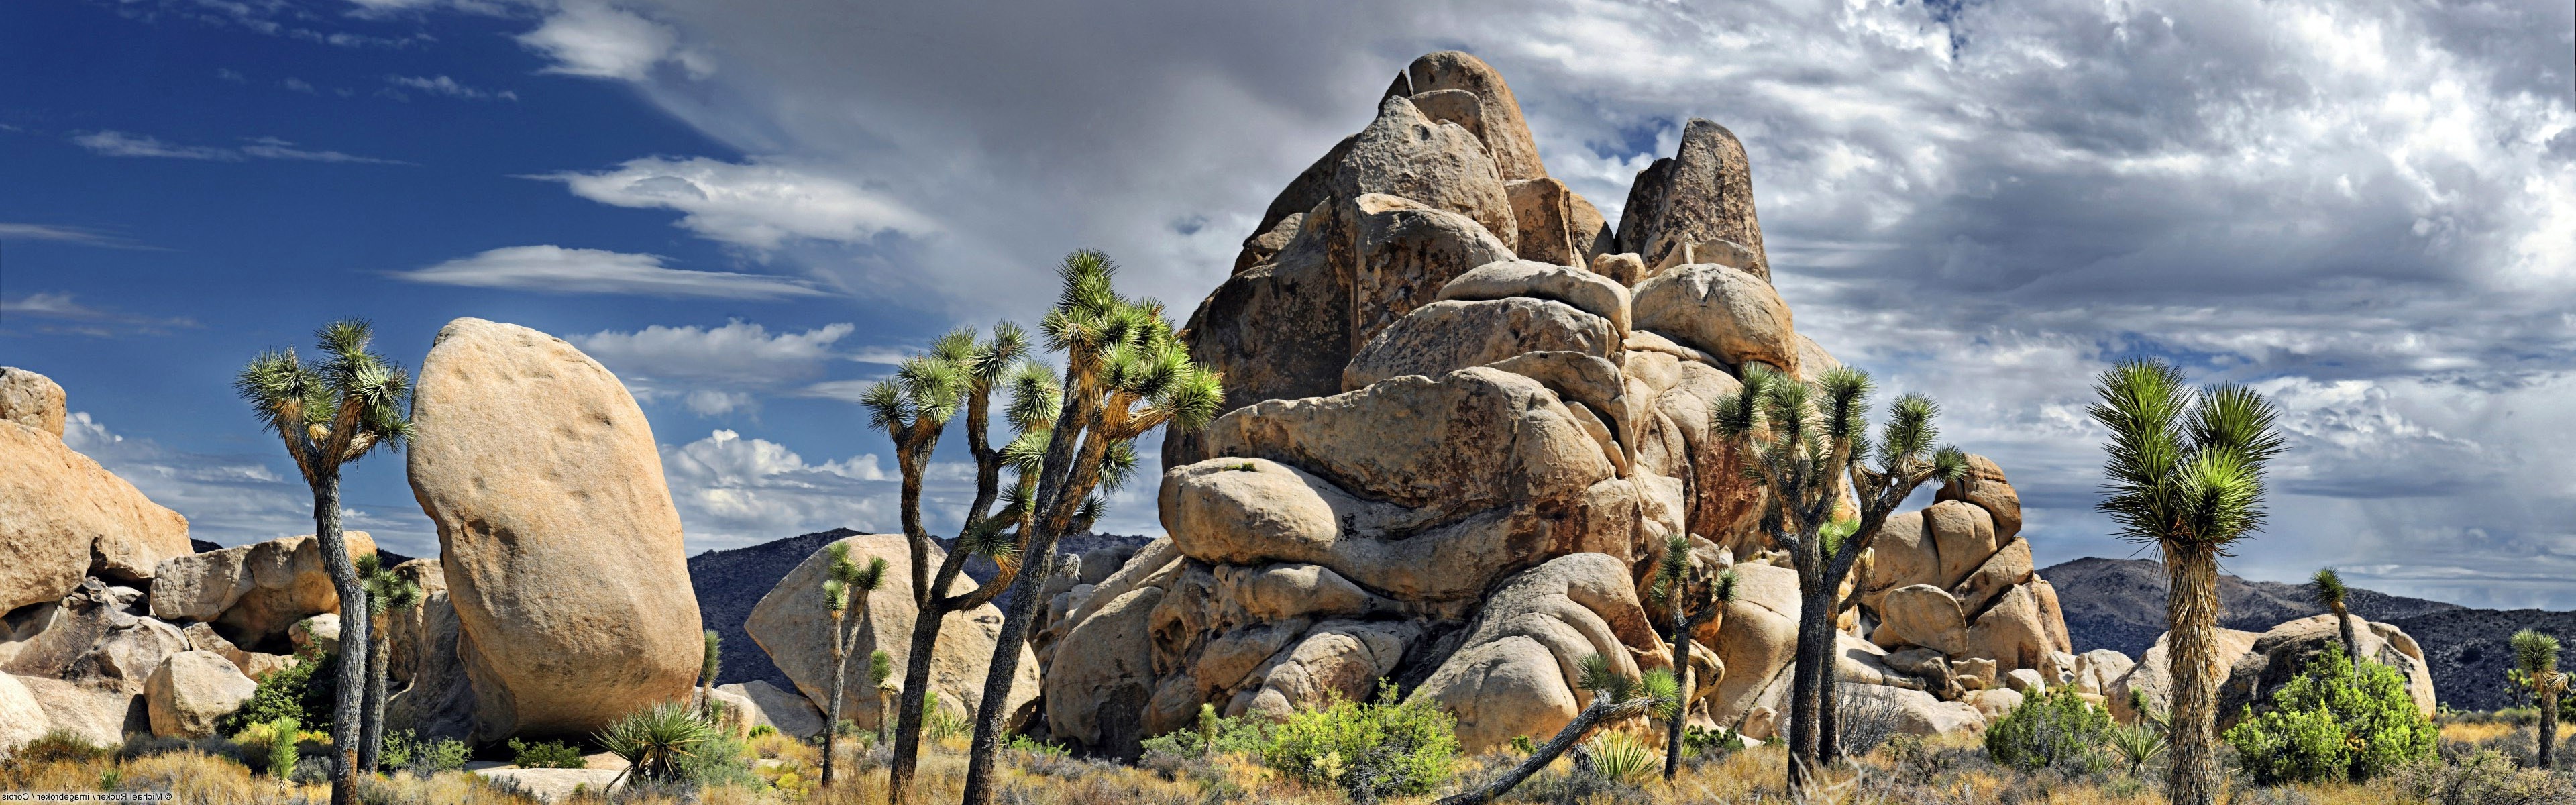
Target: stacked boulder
(1467, 416)
(94, 639)
(2259, 664)
(1949, 591)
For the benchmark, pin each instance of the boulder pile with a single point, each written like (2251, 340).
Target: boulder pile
(1467, 414)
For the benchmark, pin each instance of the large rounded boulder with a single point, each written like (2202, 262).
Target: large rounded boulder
(791, 624)
(561, 548)
(62, 516)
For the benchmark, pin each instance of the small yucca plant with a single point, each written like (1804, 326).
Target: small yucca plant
(1620, 757)
(657, 741)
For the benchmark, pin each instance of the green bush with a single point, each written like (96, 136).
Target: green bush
(2333, 722)
(660, 742)
(547, 755)
(2055, 730)
(1621, 758)
(1367, 750)
(305, 692)
(1249, 735)
(58, 745)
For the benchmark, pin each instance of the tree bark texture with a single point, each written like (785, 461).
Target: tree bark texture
(2192, 608)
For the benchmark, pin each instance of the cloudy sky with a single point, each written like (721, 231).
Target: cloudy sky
(748, 209)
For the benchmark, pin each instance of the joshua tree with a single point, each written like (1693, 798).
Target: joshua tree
(708, 665)
(1126, 373)
(2329, 590)
(847, 589)
(913, 410)
(2185, 474)
(328, 415)
(1614, 696)
(881, 678)
(387, 592)
(1684, 614)
(2536, 656)
(1804, 442)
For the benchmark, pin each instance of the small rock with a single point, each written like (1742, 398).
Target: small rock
(192, 691)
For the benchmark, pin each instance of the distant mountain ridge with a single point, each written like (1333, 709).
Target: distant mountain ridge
(730, 583)
(2119, 604)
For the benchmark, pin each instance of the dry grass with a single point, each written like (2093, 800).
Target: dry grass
(1946, 771)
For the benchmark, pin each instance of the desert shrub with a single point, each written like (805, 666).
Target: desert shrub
(545, 755)
(762, 731)
(1248, 735)
(1368, 750)
(2137, 746)
(2334, 722)
(1862, 721)
(722, 760)
(2055, 730)
(404, 749)
(304, 692)
(58, 746)
(2482, 778)
(937, 723)
(1619, 757)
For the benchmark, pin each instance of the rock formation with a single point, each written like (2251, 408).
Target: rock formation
(1465, 416)
(791, 625)
(561, 548)
(252, 593)
(193, 690)
(62, 516)
(2259, 664)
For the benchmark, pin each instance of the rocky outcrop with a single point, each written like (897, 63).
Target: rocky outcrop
(62, 516)
(427, 684)
(791, 625)
(100, 715)
(252, 593)
(192, 691)
(21, 718)
(1957, 577)
(32, 400)
(789, 713)
(560, 546)
(2282, 653)
(1459, 434)
(1702, 194)
(1516, 671)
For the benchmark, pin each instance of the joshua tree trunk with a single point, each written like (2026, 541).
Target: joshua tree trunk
(2549, 724)
(832, 717)
(1547, 753)
(371, 736)
(1806, 700)
(911, 700)
(350, 707)
(2351, 637)
(1006, 666)
(1681, 671)
(2192, 608)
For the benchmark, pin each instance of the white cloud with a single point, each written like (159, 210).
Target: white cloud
(595, 40)
(121, 144)
(560, 270)
(714, 370)
(733, 491)
(65, 234)
(760, 204)
(235, 499)
(443, 85)
(60, 313)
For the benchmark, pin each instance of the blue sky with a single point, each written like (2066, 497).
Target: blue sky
(2365, 209)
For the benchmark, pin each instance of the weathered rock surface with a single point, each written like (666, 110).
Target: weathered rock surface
(32, 400)
(789, 713)
(62, 516)
(1515, 672)
(428, 686)
(561, 548)
(1727, 312)
(101, 716)
(1584, 290)
(1702, 193)
(1758, 637)
(253, 593)
(1449, 335)
(1986, 488)
(192, 690)
(1506, 136)
(791, 624)
(1404, 251)
(2154, 672)
(1922, 615)
(1404, 154)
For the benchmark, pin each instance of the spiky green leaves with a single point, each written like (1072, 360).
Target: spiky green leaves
(880, 668)
(1662, 690)
(337, 411)
(387, 591)
(712, 660)
(2328, 587)
(2184, 468)
(849, 581)
(1036, 398)
(1621, 694)
(2534, 653)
